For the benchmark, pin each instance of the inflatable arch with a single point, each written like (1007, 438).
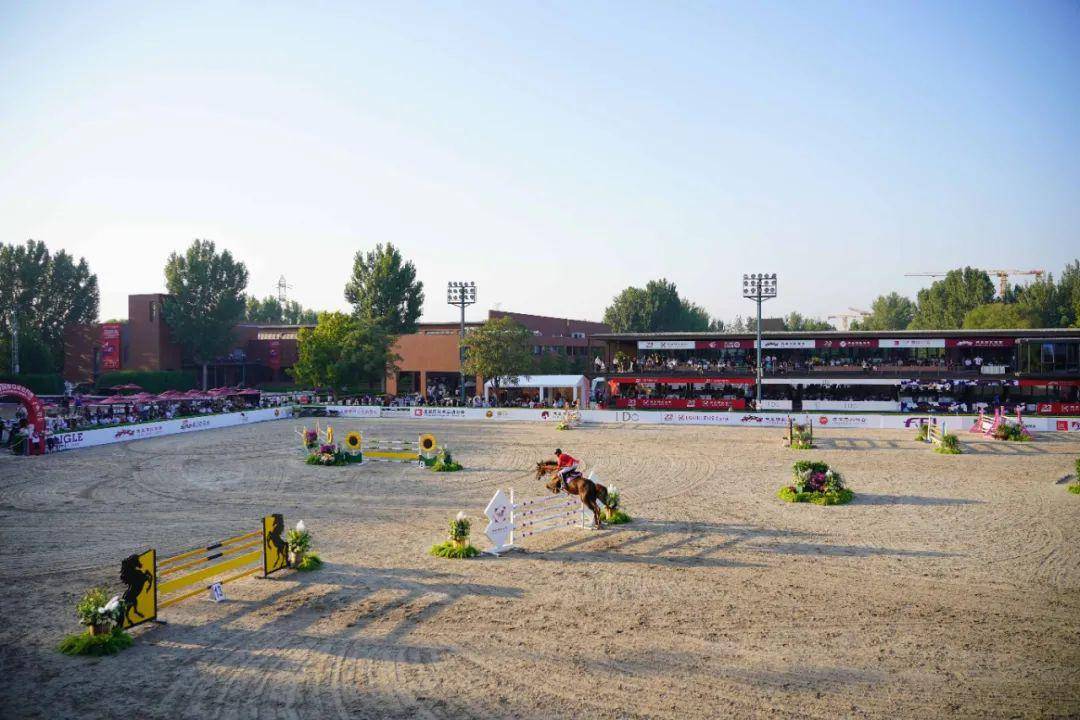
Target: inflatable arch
(35, 412)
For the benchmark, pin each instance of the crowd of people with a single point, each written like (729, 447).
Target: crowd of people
(746, 362)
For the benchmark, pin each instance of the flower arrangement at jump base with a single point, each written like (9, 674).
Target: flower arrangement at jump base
(457, 546)
(1011, 431)
(322, 450)
(571, 419)
(1074, 486)
(802, 437)
(103, 618)
(298, 541)
(613, 515)
(815, 482)
(444, 462)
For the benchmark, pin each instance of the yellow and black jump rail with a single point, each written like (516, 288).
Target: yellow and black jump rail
(151, 584)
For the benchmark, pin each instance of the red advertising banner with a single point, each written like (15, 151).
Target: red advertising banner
(1058, 408)
(109, 339)
(680, 404)
(682, 379)
(980, 342)
(1027, 382)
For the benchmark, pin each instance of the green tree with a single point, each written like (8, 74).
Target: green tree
(1041, 300)
(1068, 291)
(293, 313)
(1000, 315)
(48, 292)
(944, 304)
(499, 350)
(342, 352)
(270, 310)
(655, 308)
(206, 299)
(383, 289)
(796, 322)
(888, 312)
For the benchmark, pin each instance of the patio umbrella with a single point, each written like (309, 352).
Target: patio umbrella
(127, 387)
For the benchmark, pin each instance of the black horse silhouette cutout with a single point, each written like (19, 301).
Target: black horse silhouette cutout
(275, 540)
(135, 580)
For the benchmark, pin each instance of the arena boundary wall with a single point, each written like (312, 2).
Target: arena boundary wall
(778, 420)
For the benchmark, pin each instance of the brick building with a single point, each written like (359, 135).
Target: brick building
(428, 358)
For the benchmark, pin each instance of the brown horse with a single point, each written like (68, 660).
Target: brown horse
(584, 488)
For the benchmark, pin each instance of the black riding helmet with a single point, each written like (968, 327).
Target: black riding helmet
(558, 452)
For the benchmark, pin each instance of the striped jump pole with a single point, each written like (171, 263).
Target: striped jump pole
(422, 451)
(153, 585)
(511, 519)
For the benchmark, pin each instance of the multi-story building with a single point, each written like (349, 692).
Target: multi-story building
(428, 360)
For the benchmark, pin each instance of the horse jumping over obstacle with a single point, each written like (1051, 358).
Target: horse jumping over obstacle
(582, 487)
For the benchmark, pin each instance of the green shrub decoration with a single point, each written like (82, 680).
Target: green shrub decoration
(311, 561)
(95, 645)
(445, 462)
(1012, 432)
(923, 433)
(102, 615)
(457, 546)
(949, 445)
(611, 512)
(815, 483)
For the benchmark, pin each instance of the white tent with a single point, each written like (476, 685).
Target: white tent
(577, 383)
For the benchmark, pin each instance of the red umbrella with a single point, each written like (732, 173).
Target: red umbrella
(114, 400)
(170, 395)
(250, 391)
(141, 397)
(126, 387)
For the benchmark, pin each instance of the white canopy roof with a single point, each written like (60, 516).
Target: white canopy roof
(578, 382)
(541, 381)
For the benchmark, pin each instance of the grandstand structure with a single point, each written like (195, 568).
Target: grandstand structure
(882, 371)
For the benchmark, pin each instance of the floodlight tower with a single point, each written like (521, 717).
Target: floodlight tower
(462, 295)
(759, 287)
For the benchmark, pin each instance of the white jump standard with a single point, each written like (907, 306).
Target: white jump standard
(511, 520)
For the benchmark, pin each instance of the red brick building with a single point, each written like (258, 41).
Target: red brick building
(263, 353)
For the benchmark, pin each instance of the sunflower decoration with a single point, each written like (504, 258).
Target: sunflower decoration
(427, 443)
(352, 441)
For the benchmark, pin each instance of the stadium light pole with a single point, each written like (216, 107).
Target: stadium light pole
(759, 287)
(462, 295)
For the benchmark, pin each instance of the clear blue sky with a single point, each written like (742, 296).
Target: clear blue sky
(552, 152)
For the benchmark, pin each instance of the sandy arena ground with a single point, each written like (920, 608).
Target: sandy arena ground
(949, 588)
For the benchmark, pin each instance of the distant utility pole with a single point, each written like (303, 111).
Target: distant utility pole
(759, 287)
(462, 295)
(15, 340)
(282, 288)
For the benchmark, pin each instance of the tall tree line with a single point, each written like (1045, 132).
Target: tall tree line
(43, 292)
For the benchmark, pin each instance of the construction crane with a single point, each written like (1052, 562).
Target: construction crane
(1002, 275)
